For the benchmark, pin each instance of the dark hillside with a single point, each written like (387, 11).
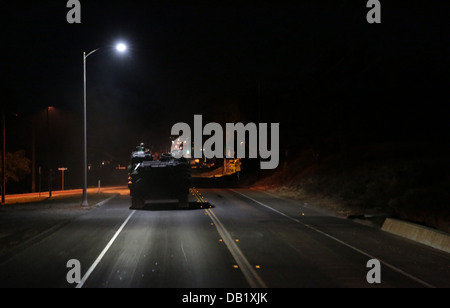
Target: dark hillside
(407, 181)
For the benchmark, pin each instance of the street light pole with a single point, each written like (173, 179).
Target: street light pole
(3, 156)
(49, 154)
(121, 48)
(84, 201)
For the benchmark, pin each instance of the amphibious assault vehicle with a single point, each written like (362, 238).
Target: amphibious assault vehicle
(157, 180)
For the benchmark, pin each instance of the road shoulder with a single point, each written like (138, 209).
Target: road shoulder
(23, 224)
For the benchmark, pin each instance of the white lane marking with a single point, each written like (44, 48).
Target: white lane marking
(339, 241)
(184, 254)
(99, 258)
(106, 200)
(250, 274)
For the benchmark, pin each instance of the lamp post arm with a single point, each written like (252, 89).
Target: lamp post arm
(90, 53)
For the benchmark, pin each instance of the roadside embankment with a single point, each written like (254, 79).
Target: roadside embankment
(431, 237)
(404, 181)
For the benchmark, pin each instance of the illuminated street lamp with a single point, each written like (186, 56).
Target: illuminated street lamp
(120, 47)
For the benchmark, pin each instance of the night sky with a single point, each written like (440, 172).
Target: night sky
(316, 67)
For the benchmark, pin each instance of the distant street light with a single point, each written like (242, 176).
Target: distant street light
(3, 155)
(49, 153)
(121, 47)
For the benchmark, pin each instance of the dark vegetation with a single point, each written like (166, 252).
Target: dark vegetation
(406, 181)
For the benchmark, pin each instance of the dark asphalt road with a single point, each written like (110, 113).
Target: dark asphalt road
(245, 239)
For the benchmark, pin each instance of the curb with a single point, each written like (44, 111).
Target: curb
(428, 236)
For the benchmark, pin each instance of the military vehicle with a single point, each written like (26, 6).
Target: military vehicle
(157, 179)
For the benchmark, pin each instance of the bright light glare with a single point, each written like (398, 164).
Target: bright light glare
(121, 47)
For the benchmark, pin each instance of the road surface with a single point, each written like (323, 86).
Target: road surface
(228, 238)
